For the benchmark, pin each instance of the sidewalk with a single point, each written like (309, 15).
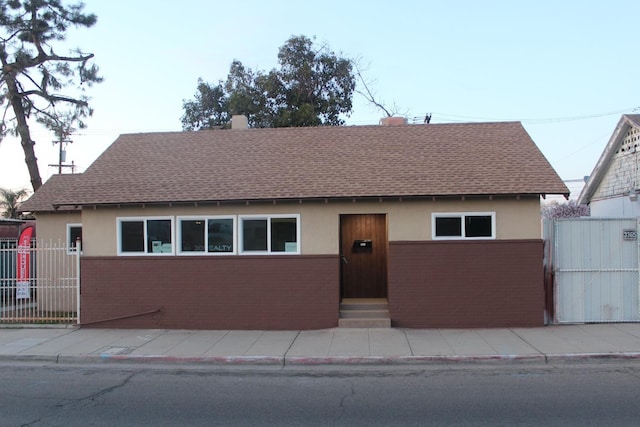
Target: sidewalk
(338, 346)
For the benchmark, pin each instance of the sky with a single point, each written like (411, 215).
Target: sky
(566, 69)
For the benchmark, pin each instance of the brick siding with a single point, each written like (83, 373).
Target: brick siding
(465, 284)
(270, 292)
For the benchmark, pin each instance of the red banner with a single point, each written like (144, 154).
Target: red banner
(23, 273)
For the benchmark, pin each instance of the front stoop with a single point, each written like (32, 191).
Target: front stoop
(364, 313)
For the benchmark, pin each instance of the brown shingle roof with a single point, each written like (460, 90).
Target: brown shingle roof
(56, 188)
(317, 162)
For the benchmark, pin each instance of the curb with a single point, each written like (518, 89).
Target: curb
(29, 358)
(283, 361)
(592, 357)
(416, 360)
(177, 360)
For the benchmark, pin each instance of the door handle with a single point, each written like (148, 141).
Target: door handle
(344, 259)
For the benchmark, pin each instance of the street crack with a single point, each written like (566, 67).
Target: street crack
(82, 401)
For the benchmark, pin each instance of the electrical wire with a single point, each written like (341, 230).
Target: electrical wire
(444, 117)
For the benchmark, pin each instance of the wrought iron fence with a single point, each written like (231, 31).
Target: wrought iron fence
(49, 294)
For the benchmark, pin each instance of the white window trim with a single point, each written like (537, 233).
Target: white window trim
(178, 245)
(462, 215)
(268, 218)
(71, 250)
(120, 220)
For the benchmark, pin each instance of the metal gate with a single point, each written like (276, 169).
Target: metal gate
(52, 292)
(595, 269)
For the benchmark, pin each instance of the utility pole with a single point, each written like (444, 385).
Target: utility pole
(62, 126)
(62, 155)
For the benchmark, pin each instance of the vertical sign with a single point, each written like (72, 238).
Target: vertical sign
(23, 264)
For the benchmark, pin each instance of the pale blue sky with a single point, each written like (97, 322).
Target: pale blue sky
(541, 62)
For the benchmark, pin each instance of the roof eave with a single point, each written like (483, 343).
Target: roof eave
(300, 199)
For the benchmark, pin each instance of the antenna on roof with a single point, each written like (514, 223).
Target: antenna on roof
(427, 118)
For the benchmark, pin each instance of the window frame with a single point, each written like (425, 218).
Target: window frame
(462, 216)
(205, 218)
(144, 220)
(268, 218)
(71, 249)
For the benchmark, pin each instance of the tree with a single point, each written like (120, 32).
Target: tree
(312, 87)
(33, 75)
(208, 110)
(10, 202)
(248, 94)
(368, 94)
(570, 209)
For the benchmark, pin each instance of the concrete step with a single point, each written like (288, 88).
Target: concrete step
(364, 314)
(364, 323)
(372, 306)
(364, 304)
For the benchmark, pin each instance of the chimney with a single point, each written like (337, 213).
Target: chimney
(393, 121)
(239, 122)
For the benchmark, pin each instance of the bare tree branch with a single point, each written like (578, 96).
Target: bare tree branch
(367, 93)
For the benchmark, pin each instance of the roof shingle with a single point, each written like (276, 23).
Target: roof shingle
(317, 162)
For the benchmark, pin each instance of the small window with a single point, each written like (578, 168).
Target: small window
(206, 235)
(270, 234)
(137, 236)
(476, 225)
(74, 237)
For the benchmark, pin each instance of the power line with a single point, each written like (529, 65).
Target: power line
(461, 118)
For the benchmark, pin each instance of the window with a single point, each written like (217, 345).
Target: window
(206, 235)
(209, 235)
(467, 225)
(272, 234)
(74, 236)
(137, 236)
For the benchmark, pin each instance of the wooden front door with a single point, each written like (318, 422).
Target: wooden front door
(363, 251)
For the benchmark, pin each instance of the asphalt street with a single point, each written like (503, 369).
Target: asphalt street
(80, 395)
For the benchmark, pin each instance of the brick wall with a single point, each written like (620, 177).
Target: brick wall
(465, 284)
(248, 292)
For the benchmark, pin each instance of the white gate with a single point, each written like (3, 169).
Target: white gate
(52, 292)
(595, 268)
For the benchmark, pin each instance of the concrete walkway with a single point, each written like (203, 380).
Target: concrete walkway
(338, 346)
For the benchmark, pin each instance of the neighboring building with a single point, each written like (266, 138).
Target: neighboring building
(272, 228)
(614, 185)
(10, 228)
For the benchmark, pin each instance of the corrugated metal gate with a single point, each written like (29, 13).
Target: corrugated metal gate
(594, 265)
(52, 292)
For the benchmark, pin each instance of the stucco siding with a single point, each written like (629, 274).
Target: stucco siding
(52, 227)
(408, 220)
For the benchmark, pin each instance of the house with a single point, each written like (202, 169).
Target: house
(613, 187)
(273, 228)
